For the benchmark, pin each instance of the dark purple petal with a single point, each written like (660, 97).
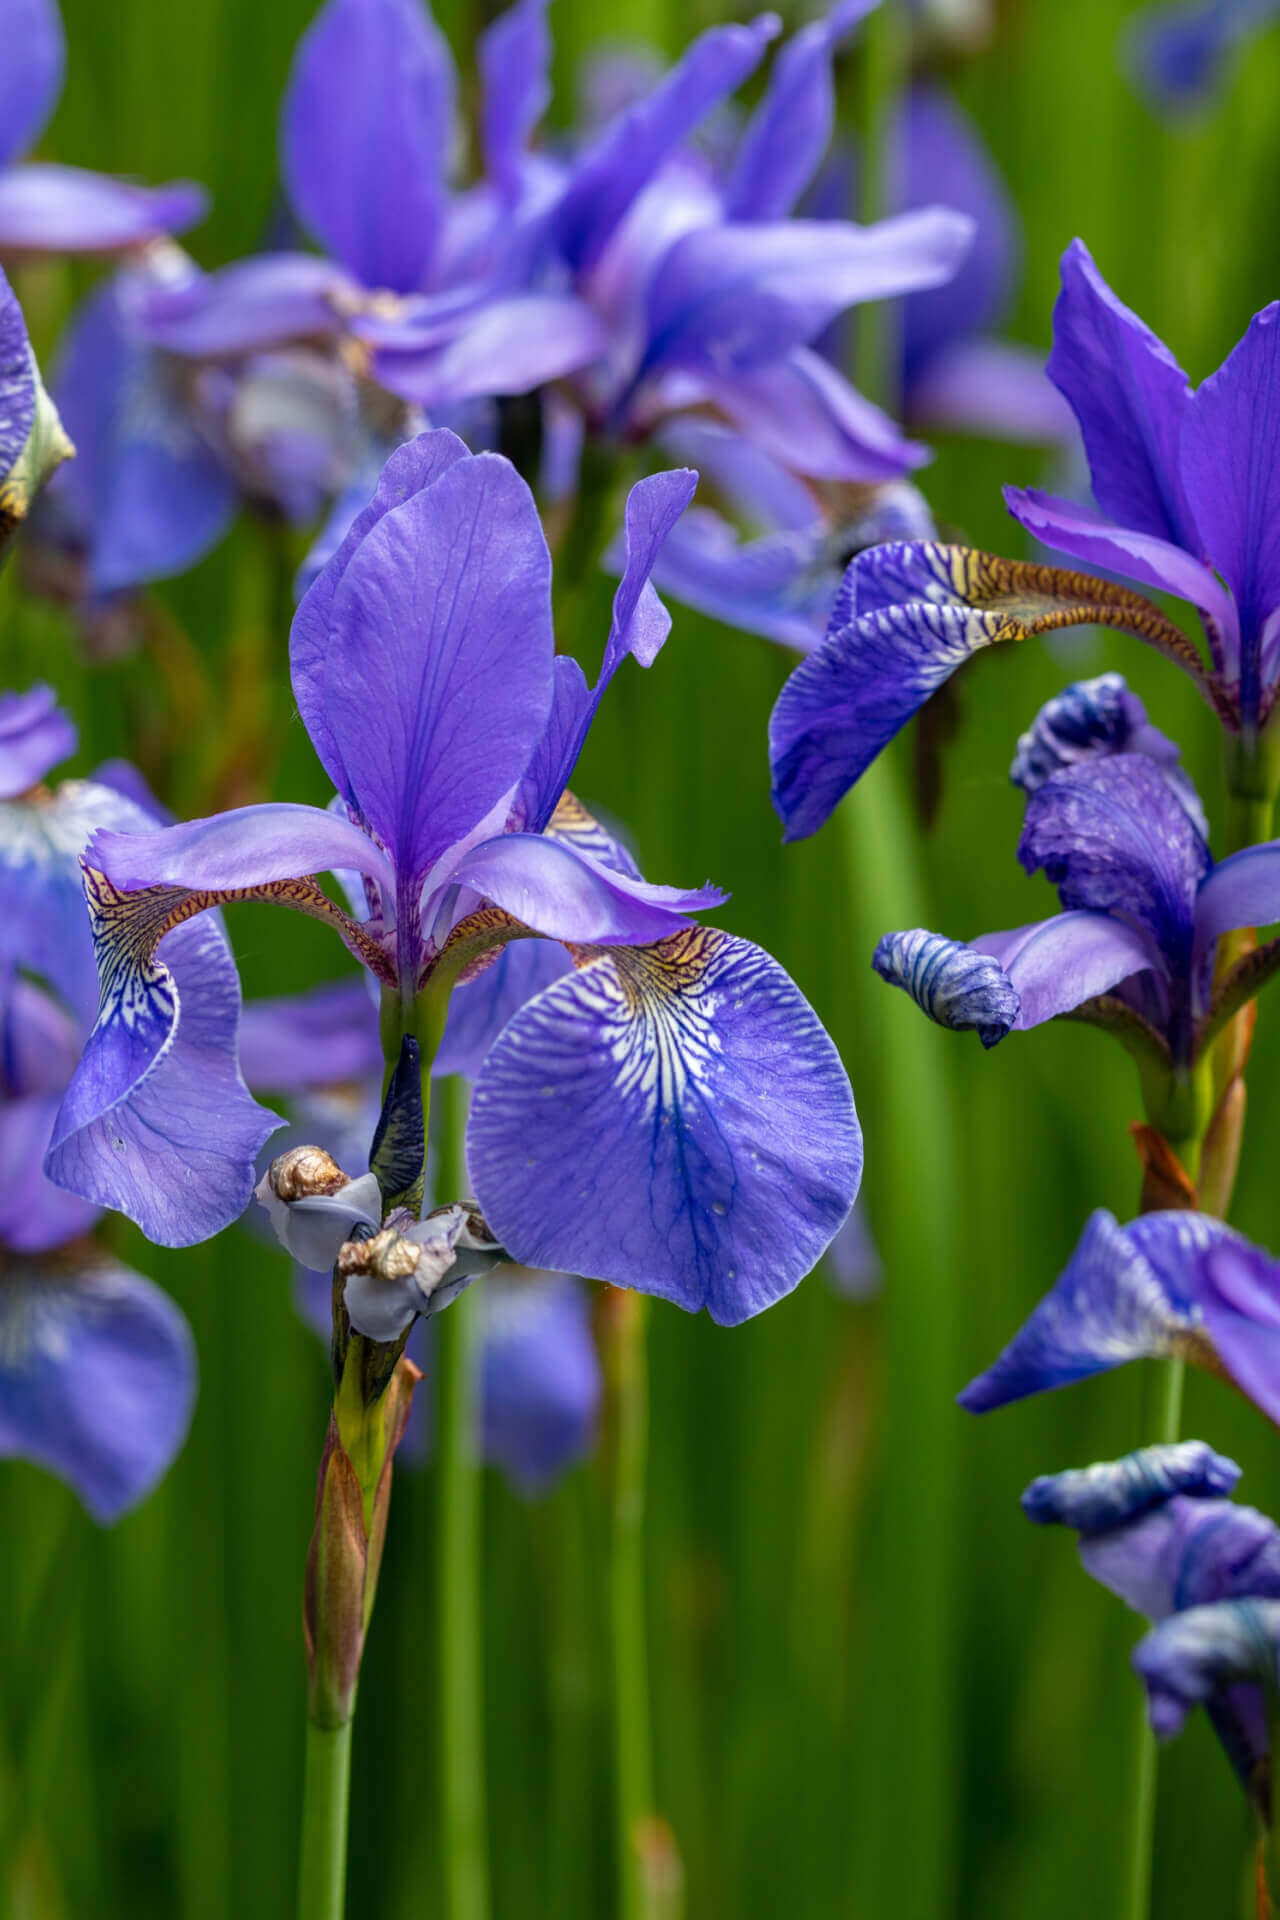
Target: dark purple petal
(514, 58)
(316, 1039)
(31, 78)
(1110, 1305)
(48, 209)
(627, 154)
(789, 132)
(35, 735)
(804, 414)
(34, 1214)
(1196, 1658)
(1090, 720)
(97, 1378)
(540, 1381)
(263, 302)
(1131, 399)
(733, 298)
(671, 1118)
(1056, 964)
(18, 380)
(1114, 838)
(990, 390)
(552, 887)
(365, 135)
(939, 160)
(424, 652)
(1232, 481)
(1239, 1296)
(1242, 891)
(1113, 1492)
(954, 985)
(508, 346)
(480, 1008)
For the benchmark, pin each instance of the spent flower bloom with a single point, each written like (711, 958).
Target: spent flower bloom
(97, 1371)
(54, 209)
(670, 1113)
(33, 443)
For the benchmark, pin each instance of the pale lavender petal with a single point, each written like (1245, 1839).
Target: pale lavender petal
(49, 209)
(804, 414)
(35, 735)
(365, 135)
(790, 130)
(778, 586)
(321, 1038)
(1239, 1297)
(34, 1214)
(263, 302)
(32, 73)
(247, 847)
(514, 58)
(509, 346)
(1059, 963)
(540, 1379)
(562, 893)
(671, 1118)
(1242, 891)
(97, 1378)
(989, 389)
(1189, 1552)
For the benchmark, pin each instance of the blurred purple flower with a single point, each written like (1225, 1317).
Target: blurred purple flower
(1178, 55)
(675, 1157)
(97, 1373)
(54, 209)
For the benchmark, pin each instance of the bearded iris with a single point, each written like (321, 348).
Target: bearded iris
(670, 1114)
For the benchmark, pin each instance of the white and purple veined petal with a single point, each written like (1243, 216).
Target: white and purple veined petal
(97, 1376)
(671, 1118)
(953, 984)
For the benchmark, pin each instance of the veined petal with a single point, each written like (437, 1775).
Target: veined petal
(553, 887)
(672, 1118)
(49, 209)
(1194, 1658)
(35, 734)
(514, 57)
(1109, 1305)
(1057, 964)
(422, 654)
(1239, 1297)
(625, 156)
(35, 61)
(1112, 1492)
(1090, 720)
(97, 1377)
(19, 386)
(803, 413)
(540, 1380)
(954, 985)
(326, 1037)
(735, 297)
(1131, 399)
(365, 134)
(262, 302)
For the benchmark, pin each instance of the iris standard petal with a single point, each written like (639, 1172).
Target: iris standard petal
(426, 644)
(671, 1118)
(1109, 1305)
(540, 1380)
(735, 297)
(49, 209)
(561, 892)
(789, 132)
(514, 58)
(35, 734)
(31, 80)
(1089, 720)
(1112, 1492)
(954, 985)
(624, 157)
(97, 1377)
(1113, 837)
(1233, 484)
(1242, 891)
(263, 302)
(326, 1037)
(1056, 965)
(1131, 399)
(365, 133)
(1194, 1658)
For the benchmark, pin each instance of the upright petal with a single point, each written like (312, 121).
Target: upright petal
(954, 985)
(626, 155)
(1113, 837)
(560, 891)
(97, 1377)
(1109, 1305)
(540, 1381)
(422, 654)
(1131, 399)
(1242, 891)
(31, 79)
(514, 57)
(671, 1118)
(35, 734)
(789, 132)
(777, 586)
(734, 297)
(1232, 479)
(48, 209)
(365, 135)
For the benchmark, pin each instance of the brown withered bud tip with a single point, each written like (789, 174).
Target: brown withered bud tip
(475, 1233)
(387, 1256)
(303, 1173)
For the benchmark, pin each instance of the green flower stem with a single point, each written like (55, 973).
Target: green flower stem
(458, 1637)
(623, 1340)
(322, 1876)
(1271, 1843)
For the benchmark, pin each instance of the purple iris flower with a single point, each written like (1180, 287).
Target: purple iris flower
(97, 1372)
(1178, 55)
(53, 209)
(1186, 486)
(669, 1114)
(710, 292)
(1160, 1530)
(1177, 1283)
(1114, 823)
(438, 283)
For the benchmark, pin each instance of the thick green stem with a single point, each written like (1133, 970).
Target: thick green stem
(322, 1874)
(626, 1371)
(458, 1635)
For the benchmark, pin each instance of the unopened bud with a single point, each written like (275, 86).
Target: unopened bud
(304, 1172)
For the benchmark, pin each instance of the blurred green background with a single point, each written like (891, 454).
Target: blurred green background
(877, 1691)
